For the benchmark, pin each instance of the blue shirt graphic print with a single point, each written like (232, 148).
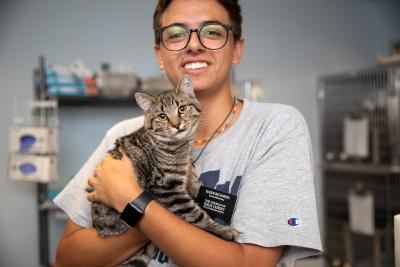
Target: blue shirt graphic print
(210, 179)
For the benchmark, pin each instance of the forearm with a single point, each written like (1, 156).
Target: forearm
(184, 243)
(188, 245)
(85, 248)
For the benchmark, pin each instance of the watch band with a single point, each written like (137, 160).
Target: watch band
(135, 209)
(142, 200)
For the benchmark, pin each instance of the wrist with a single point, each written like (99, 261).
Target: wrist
(134, 210)
(129, 197)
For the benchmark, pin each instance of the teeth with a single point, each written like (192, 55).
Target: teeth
(196, 65)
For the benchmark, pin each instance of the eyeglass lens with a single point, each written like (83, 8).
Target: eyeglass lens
(212, 36)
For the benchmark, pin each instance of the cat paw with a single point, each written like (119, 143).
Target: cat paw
(116, 154)
(229, 233)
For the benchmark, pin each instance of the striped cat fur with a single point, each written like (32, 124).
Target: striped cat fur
(160, 152)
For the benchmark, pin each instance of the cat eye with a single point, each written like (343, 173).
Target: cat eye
(182, 109)
(162, 117)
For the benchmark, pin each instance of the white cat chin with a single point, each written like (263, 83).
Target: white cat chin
(187, 133)
(180, 135)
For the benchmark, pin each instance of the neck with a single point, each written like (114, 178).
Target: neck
(215, 109)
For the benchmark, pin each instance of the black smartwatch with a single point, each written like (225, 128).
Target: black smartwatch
(135, 209)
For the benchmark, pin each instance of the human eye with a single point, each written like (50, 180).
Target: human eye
(174, 33)
(213, 31)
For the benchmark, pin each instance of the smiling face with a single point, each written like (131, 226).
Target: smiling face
(209, 69)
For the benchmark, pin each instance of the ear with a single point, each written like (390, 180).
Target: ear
(185, 85)
(144, 101)
(238, 51)
(160, 60)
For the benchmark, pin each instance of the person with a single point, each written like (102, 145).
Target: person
(262, 155)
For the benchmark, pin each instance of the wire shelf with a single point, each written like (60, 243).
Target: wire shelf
(373, 94)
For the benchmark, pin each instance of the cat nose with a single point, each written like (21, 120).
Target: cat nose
(175, 122)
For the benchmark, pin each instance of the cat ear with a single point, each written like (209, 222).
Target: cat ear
(185, 85)
(144, 101)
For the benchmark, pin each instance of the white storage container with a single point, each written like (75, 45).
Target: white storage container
(33, 140)
(33, 168)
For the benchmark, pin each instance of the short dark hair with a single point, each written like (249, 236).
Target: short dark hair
(231, 6)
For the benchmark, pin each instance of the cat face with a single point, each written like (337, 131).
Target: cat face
(174, 114)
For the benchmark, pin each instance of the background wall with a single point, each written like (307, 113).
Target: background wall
(288, 45)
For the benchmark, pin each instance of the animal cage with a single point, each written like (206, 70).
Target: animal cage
(360, 128)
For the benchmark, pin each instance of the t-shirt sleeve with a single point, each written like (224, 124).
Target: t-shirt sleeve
(276, 204)
(73, 198)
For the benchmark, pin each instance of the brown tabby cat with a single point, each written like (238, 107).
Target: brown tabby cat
(160, 152)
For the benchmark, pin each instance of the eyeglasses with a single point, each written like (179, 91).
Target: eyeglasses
(212, 36)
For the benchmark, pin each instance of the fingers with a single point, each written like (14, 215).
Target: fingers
(97, 169)
(108, 156)
(91, 196)
(91, 181)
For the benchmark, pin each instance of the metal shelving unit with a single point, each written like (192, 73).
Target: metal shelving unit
(362, 168)
(42, 188)
(45, 207)
(74, 101)
(374, 93)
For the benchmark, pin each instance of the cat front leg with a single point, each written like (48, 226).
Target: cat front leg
(201, 219)
(227, 232)
(193, 183)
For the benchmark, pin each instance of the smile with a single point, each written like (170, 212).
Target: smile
(195, 65)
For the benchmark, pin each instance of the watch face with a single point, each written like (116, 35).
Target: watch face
(131, 215)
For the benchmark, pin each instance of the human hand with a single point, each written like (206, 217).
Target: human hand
(114, 183)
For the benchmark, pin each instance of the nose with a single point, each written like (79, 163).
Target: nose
(194, 42)
(175, 122)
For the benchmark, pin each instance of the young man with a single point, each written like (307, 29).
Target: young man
(263, 156)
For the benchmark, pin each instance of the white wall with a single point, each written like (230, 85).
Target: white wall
(288, 44)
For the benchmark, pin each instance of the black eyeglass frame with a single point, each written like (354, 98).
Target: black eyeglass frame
(227, 27)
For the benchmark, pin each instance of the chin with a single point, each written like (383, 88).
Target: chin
(200, 86)
(205, 85)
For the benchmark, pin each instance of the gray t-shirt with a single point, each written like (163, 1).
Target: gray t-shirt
(265, 159)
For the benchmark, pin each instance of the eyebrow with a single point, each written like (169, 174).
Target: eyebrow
(186, 26)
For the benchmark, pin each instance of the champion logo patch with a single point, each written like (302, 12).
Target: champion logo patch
(294, 221)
